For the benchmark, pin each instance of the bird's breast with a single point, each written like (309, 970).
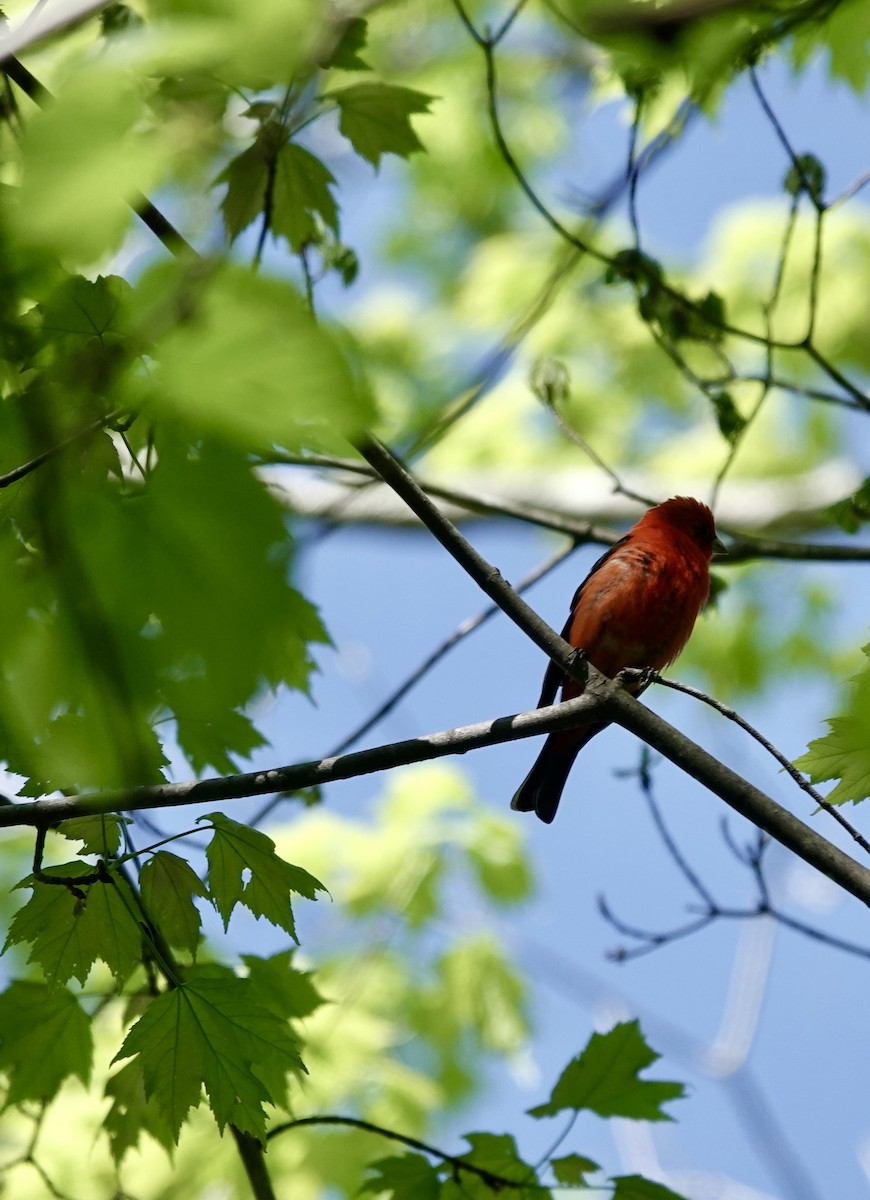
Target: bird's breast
(639, 608)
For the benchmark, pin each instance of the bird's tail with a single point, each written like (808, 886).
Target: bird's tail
(541, 790)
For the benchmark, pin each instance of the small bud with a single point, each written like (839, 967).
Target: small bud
(550, 381)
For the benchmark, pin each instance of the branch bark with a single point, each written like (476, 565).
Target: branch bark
(555, 507)
(619, 706)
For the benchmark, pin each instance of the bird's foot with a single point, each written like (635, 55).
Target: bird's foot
(637, 679)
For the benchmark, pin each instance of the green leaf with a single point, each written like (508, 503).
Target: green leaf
(48, 922)
(550, 381)
(242, 357)
(108, 921)
(119, 18)
(844, 752)
(236, 849)
(846, 31)
(495, 851)
(214, 741)
(169, 885)
(404, 1177)
(68, 933)
(211, 1032)
(376, 118)
(633, 266)
(206, 514)
(728, 417)
(300, 189)
(635, 1187)
(45, 1036)
(604, 1079)
(301, 195)
(851, 513)
(806, 174)
(345, 57)
(486, 993)
(572, 1169)
(131, 1113)
(85, 146)
(80, 310)
(247, 178)
(280, 987)
(497, 1153)
(98, 835)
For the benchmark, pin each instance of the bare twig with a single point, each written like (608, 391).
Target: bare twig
(399, 693)
(751, 857)
(800, 779)
(741, 548)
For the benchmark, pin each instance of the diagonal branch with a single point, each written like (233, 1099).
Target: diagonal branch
(786, 764)
(151, 216)
(297, 776)
(618, 705)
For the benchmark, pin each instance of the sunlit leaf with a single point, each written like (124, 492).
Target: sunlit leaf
(376, 118)
(45, 1036)
(211, 1033)
(248, 362)
(844, 752)
(236, 850)
(70, 926)
(404, 1177)
(169, 885)
(605, 1078)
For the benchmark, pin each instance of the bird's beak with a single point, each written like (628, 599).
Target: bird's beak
(720, 550)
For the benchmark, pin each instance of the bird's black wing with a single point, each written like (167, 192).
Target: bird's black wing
(554, 676)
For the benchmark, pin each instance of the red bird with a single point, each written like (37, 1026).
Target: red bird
(636, 608)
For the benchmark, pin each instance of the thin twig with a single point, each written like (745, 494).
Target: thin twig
(796, 163)
(751, 857)
(574, 435)
(493, 1180)
(648, 941)
(401, 691)
(645, 778)
(800, 779)
(740, 549)
(25, 469)
(148, 213)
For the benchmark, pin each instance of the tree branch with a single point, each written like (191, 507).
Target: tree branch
(30, 32)
(788, 766)
(495, 1182)
(741, 548)
(152, 217)
(617, 705)
(297, 776)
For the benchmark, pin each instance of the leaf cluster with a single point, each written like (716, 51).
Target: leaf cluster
(210, 1028)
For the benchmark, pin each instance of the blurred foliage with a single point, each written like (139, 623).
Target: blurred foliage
(149, 598)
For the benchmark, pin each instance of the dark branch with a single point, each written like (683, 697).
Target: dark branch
(800, 779)
(160, 226)
(25, 469)
(741, 548)
(751, 858)
(490, 1178)
(617, 705)
(308, 774)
